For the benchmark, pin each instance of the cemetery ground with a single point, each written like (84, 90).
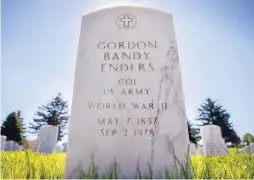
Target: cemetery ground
(29, 165)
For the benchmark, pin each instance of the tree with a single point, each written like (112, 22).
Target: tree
(55, 113)
(235, 139)
(12, 128)
(193, 133)
(248, 138)
(20, 116)
(212, 112)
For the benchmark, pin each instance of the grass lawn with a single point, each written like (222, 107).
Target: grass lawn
(28, 165)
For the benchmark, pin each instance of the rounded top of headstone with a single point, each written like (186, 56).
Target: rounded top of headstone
(126, 8)
(47, 126)
(10, 141)
(210, 126)
(214, 129)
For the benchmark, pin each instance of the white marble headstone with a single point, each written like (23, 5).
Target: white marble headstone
(213, 142)
(128, 102)
(3, 142)
(47, 139)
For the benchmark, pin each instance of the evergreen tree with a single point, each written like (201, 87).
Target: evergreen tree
(235, 139)
(212, 112)
(193, 133)
(20, 116)
(248, 138)
(53, 113)
(12, 128)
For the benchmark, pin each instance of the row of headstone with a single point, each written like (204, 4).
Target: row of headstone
(45, 143)
(9, 145)
(213, 143)
(247, 149)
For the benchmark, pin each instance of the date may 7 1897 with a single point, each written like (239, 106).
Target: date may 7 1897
(128, 121)
(142, 125)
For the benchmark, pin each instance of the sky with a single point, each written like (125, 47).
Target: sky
(215, 42)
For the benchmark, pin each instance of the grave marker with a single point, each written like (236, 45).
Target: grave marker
(9, 146)
(252, 147)
(213, 142)
(47, 139)
(128, 100)
(3, 142)
(16, 146)
(246, 149)
(64, 147)
(192, 149)
(240, 151)
(200, 150)
(58, 149)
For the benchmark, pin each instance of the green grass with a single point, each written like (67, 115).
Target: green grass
(28, 165)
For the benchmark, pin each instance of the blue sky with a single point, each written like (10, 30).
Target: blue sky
(215, 42)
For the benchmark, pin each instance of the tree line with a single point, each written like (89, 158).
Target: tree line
(55, 112)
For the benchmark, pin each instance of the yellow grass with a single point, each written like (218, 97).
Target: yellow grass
(29, 165)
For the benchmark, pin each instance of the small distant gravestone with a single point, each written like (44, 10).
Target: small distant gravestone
(3, 142)
(64, 147)
(213, 142)
(229, 144)
(240, 151)
(16, 147)
(200, 150)
(192, 149)
(47, 139)
(58, 149)
(252, 147)
(10, 146)
(246, 149)
(128, 103)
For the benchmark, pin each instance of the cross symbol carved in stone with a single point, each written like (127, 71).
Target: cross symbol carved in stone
(126, 21)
